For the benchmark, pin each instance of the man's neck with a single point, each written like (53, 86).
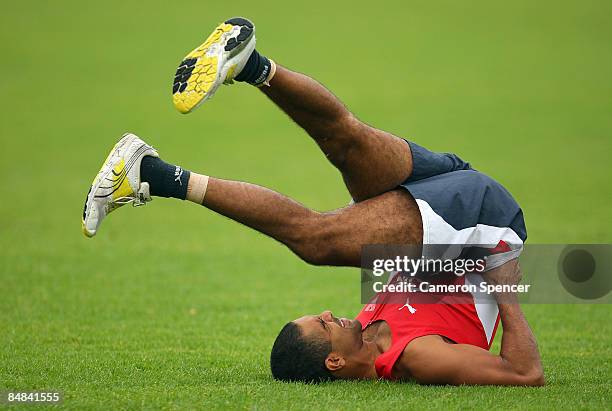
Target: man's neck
(364, 365)
(376, 340)
(378, 333)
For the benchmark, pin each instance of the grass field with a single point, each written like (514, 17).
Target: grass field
(173, 307)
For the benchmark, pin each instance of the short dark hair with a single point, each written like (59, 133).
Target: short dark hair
(296, 358)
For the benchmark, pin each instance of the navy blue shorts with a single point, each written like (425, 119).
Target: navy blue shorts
(462, 206)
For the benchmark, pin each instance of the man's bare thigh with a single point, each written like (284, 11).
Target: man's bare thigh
(389, 218)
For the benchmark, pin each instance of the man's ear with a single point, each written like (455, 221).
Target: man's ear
(334, 362)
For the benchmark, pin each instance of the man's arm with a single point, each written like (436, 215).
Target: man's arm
(431, 360)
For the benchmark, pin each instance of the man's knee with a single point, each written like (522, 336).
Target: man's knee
(340, 138)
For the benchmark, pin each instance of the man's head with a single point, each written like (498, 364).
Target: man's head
(317, 348)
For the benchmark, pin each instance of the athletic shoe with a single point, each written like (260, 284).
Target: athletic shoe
(218, 60)
(117, 183)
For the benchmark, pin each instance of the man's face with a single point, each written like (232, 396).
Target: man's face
(343, 334)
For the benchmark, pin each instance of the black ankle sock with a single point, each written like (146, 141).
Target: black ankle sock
(256, 70)
(165, 180)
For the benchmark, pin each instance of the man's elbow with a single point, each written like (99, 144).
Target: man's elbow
(534, 378)
(538, 380)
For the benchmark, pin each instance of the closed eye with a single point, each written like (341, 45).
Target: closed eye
(322, 323)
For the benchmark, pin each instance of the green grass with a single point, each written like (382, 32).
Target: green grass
(171, 306)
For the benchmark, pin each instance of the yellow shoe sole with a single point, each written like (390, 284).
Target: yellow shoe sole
(198, 77)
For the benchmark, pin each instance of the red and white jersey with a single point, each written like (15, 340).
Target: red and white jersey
(465, 318)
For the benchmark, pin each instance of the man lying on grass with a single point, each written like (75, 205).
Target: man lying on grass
(403, 194)
(431, 343)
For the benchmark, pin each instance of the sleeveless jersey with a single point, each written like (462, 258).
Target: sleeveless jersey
(473, 321)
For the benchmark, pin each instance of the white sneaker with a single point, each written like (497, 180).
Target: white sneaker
(117, 183)
(218, 60)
